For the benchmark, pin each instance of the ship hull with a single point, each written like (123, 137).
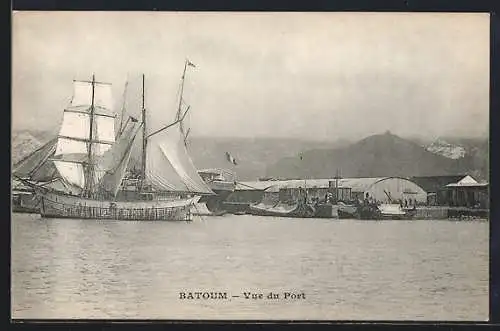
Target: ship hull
(56, 205)
(295, 210)
(215, 202)
(29, 204)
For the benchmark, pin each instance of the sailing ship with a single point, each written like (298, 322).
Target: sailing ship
(91, 161)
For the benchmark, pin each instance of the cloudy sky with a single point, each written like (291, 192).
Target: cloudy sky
(310, 75)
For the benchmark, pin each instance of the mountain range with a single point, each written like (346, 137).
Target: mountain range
(383, 155)
(378, 155)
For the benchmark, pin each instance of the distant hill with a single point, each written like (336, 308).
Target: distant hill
(23, 143)
(253, 155)
(381, 155)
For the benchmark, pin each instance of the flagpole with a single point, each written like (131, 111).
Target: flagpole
(182, 89)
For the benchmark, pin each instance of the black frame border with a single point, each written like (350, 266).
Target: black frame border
(311, 5)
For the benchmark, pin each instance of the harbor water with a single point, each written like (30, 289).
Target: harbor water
(331, 269)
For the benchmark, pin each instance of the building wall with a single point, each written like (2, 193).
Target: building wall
(399, 189)
(472, 197)
(344, 194)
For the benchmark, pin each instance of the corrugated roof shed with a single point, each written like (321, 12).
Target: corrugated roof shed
(355, 184)
(361, 184)
(432, 184)
(253, 186)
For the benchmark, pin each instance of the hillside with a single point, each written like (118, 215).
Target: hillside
(379, 155)
(23, 143)
(253, 155)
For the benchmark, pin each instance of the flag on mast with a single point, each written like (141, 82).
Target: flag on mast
(189, 63)
(231, 159)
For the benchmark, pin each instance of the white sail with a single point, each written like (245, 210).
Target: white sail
(75, 125)
(74, 138)
(103, 96)
(71, 144)
(105, 132)
(113, 163)
(72, 172)
(168, 165)
(82, 94)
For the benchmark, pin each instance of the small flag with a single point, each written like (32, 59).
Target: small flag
(231, 159)
(133, 119)
(191, 64)
(300, 156)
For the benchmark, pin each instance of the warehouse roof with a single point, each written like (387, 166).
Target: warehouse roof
(435, 183)
(355, 184)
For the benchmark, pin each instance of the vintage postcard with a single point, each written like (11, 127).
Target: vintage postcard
(250, 166)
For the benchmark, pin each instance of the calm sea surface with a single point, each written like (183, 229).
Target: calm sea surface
(347, 269)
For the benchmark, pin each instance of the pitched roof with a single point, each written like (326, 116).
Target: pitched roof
(467, 181)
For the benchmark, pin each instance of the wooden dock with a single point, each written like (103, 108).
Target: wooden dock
(445, 212)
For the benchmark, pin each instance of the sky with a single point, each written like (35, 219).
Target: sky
(321, 76)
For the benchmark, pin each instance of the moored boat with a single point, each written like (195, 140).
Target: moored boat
(392, 211)
(281, 209)
(222, 183)
(347, 211)
(91, 161)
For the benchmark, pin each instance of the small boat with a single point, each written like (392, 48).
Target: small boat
(368, 211)
(392, 211)
(326, 210)
(283, 209)
(347, 211)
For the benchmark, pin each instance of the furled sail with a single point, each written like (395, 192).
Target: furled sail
(74, 138)
(169, 166)
(114, 162)
(36, 166)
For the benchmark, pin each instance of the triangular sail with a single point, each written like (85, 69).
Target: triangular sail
(74, 140)
(36, 166)
(168, 165)
(114, 162)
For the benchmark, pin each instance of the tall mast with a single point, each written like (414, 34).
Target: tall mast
(90, 171)
(144, 138)
(182, 90)
(179, 108)
(123, 108)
